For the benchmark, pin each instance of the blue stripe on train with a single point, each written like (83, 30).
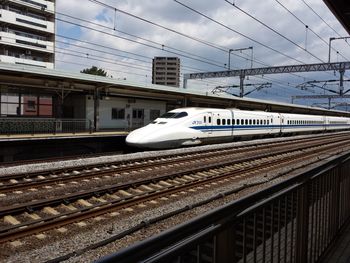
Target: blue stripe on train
(251, 127)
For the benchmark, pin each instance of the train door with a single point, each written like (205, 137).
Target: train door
(232, 122)
(137, 118)
(209, 123)
(282, 120)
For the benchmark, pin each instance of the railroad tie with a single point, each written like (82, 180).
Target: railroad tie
(84, 202)
(50, 210)
(33, 216)
(40, 236)
(124, 193)
(147, 188)
(11, 220)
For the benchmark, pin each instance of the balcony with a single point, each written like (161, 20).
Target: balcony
(10, 17)
(13, 39)
(26, 60)
(42, 5)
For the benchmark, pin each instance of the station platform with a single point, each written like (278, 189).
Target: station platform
(50, 136)
(16, 147)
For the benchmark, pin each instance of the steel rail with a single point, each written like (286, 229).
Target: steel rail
(83, 213)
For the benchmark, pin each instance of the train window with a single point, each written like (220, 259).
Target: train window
(209, 119)
(246, 122)
(254, 122)
(242, 122)
(223, 122)
(180, 115)
(218, 121)
(168, 115)
(175, 115)
(205, 119)
(264, 122)
(228, 122)
(233, 122)
(268, 122)
(237, 121)
(250, 121)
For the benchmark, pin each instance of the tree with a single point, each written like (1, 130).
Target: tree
(94, 71)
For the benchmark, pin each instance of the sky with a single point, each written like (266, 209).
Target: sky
(123, 36)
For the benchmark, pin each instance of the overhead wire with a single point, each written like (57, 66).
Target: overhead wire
(255, 60)
(160, 45)
(123, 32)
(239, 33)
(273, 30)
(175, 31)
(302, 22)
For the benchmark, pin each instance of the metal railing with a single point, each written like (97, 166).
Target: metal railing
(13, 126)
(293, 221)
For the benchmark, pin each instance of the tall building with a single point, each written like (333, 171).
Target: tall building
(27, 32)
(166, 71)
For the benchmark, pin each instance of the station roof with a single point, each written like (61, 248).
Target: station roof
(341, 9)
(52, 80)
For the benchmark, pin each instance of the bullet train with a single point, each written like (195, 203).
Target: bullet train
(197, 126)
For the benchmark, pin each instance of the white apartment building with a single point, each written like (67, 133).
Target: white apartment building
(27, 32)
(166, 71)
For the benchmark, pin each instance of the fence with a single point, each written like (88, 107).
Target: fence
(294, 221)
(12, 126)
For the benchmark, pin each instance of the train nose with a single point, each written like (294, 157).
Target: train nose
(137, 138)
(134, 139)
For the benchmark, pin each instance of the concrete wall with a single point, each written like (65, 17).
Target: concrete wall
(106, 105)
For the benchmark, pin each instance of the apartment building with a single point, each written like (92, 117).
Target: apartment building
(27, 32)
(166, 71)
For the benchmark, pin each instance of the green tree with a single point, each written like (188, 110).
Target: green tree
(94, 71)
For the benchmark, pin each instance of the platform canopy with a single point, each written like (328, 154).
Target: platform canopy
(341, 9)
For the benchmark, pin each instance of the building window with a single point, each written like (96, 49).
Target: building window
(31, 104)
(118, 114)
(137, 113)
(30, 43)
(30, 23)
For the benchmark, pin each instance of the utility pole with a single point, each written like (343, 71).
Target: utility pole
(330, 45)
(239, 49)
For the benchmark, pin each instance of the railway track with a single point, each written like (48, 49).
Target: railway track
(60, 177)
(39, 216)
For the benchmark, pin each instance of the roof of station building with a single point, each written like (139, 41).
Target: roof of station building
(29, 76)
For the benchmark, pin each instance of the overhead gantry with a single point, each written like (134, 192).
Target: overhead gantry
(242, 73)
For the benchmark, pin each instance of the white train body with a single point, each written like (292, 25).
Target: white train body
(196, 126)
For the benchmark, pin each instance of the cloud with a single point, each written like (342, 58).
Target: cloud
(146, 40)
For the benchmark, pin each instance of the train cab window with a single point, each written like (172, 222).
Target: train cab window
(218, 121)
(228, 122)
(174, 115)
(223, 122)
(180, 115)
